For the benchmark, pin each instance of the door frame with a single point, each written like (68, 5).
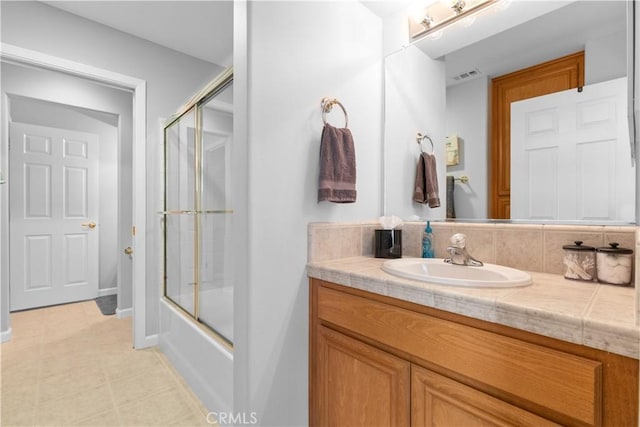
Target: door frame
(566, 72)
(139, 88)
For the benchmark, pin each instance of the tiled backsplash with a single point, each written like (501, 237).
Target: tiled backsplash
(532, 247)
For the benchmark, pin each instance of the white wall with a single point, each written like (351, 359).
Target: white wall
(606, 58)
(467, 116)
(298, 53)
(171, 78)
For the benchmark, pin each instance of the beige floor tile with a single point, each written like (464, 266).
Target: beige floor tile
(21, 350)
(52, 413)
(19, 399)
(70, 365)
(190, 420)
(55, 387)
(129, 390)
(157, 410)
(21, 417)
(131, 363)
(104, 419)
(89, 402)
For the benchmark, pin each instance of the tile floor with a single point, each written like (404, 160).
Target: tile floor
(70, 365)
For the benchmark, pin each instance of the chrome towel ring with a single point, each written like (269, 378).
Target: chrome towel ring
(327, 105)
(420, 137)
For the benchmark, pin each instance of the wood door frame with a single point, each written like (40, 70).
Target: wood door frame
(139, 87)
(559, 74)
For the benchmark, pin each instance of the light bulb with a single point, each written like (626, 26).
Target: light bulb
(426, 21)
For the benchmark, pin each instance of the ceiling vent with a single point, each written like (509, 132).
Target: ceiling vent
(467, 75)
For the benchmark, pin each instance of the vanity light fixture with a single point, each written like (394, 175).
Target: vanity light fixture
(426, 21)
(444, 13)
(458, 6)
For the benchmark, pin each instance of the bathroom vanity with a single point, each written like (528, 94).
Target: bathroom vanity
(395, 352)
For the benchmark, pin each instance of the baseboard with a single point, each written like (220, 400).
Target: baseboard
(6, 335)
(107, 291)
(150, 340)
(121, 314)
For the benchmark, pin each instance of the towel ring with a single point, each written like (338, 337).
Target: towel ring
(420, 137)
(327, 105)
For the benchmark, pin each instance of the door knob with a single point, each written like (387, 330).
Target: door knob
(89, 224)
(128, 250)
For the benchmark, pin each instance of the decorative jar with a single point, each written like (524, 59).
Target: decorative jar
(580, 261)
(614, 264)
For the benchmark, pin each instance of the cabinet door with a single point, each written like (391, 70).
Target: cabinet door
(360, 385)
(440, 401)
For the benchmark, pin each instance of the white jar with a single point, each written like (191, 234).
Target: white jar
(614, 265)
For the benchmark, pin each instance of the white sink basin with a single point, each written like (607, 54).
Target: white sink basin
(435, 270)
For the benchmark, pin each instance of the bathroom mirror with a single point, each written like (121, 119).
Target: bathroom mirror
(599, 28)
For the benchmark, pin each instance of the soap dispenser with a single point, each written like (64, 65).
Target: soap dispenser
(427, 242)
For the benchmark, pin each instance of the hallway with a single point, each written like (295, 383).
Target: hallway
(70, 365)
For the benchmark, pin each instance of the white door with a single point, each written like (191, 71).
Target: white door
(570, 155)
(53, 216)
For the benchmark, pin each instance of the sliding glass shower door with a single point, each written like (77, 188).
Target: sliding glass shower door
(198, 213)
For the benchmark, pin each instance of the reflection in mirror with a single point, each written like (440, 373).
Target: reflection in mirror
(600, 31)
(413, 104)
(570, 155)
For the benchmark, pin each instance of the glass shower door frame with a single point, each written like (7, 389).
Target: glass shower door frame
(196, 211)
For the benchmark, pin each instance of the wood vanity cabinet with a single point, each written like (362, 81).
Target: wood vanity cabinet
(379, 361)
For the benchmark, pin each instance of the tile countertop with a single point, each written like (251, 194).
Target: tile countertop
(594, 315)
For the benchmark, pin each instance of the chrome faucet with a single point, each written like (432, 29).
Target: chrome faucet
(458, 252)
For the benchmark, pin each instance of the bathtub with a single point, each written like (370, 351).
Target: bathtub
(205, 363)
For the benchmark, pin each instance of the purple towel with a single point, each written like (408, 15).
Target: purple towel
(426, 185)
(337, 166)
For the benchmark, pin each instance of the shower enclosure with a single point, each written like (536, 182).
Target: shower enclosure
(198, 211)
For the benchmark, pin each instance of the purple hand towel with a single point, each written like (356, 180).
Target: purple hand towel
(337, 181)
(426, 184)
